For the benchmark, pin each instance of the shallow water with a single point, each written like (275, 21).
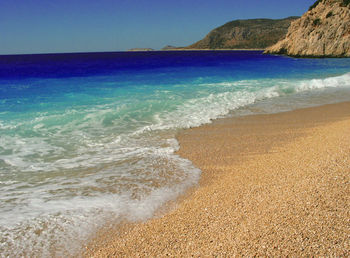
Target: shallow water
(86, 138)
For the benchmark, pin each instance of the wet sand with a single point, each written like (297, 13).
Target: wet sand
(275, 184)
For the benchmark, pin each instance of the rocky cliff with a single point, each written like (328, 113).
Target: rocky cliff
(245, 34)
(323, 31)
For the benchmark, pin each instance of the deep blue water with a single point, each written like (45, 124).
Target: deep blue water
(90, 137)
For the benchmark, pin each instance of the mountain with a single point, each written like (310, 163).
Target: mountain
(323, 31)
(245, 34)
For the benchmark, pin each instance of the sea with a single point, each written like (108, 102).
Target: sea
(90, 138)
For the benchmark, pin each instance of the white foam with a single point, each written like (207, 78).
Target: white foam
(331, 82)
(88, 158)
(60, 226)
(213, 100)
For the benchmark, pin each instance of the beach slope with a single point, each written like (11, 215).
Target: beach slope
(276, 184)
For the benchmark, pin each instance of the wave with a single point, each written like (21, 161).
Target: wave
(118, 157)
(120, 124)
(198, 111)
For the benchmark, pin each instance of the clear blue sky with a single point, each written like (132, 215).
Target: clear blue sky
(48, 26)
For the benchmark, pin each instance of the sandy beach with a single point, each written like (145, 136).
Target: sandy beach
(272, 185)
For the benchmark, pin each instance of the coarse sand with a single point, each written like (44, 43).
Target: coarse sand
(272, 185)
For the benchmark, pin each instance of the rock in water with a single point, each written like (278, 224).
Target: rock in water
(323, 31)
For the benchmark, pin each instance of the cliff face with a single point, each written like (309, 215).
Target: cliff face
(322, 31)
(245, 34)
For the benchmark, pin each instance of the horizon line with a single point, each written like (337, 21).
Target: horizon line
(128, 51)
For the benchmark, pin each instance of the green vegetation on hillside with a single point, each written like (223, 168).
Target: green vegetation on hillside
(315, 4)
(343, 3)
(245, 34)
(329, 14)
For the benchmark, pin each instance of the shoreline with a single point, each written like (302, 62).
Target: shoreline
(275, 184)
(198, 49)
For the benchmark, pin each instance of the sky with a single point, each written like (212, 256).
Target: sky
(63, 26)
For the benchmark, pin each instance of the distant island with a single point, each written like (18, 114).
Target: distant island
(140, 49)
(169, 48)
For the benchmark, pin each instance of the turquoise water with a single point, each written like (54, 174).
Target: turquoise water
(90, 138)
